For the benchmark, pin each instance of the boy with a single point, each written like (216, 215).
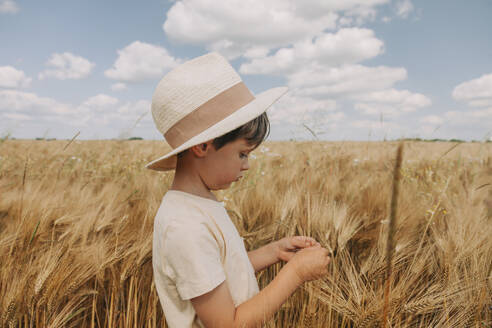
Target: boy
(203, 275)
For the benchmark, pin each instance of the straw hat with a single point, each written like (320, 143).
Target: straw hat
(200, 100)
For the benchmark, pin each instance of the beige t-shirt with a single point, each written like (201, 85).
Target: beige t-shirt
(195, 248)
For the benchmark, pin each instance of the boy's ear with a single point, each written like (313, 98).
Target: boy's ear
(202, 149)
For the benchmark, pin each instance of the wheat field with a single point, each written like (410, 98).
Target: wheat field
(76, 231)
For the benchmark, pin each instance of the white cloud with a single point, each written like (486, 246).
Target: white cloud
(305, 116)
(264, 22)
(476, 91)
(135, 108)
(128, 117)
(256, 52)
(404, 8)
(345, 21)
(316, 46)
(235, 27)
(13, 78)
(346, 46)
(8, 7)
(67, 66)
(392, 96)
(103, 111)
(349, 79)
(295, 110)
(386, 19)
(26, 103)
(314, 8)
(136, 119)
(432, 120)
(118, 86)
(479, 116)
(377, 129)
(358, 15)
(140, 61)
(100, 102)
(376, 109)
(390, 102)
(478, 122)
(18, 117)
(481, 102)
(374, 125)
(98, 113)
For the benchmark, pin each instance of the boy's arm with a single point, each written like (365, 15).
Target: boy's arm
(252, 313)
(264, 256)
(282, 249)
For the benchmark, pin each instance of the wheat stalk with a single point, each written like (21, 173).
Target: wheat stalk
(391, 231)
(41, 280)
(70, 252)
(11, 310)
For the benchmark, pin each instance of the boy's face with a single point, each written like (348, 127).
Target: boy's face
(224, 166)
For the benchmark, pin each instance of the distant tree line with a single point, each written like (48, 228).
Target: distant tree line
(440, 140)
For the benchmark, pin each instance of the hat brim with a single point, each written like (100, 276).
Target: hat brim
(242, 116)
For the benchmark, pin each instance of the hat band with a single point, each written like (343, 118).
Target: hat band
(209, 113)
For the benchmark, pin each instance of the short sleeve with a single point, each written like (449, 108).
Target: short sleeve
(193, 257)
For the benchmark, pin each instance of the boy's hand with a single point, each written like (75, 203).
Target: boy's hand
(311, 263)
(288, 246)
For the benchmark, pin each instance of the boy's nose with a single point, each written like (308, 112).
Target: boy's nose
(245, 165)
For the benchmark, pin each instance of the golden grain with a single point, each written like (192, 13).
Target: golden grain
(92, 203)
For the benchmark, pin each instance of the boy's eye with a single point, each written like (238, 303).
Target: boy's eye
(243, 155)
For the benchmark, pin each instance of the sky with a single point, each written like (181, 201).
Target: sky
(355, 69)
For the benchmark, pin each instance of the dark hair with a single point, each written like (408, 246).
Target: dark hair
(255, 132)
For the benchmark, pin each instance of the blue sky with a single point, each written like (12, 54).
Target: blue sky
(356, 70)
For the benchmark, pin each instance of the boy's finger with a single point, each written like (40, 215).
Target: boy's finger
(305, 238)
(311, 241)
(300, 241)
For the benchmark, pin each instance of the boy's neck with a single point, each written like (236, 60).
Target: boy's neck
(208, 195)
(191, 183)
